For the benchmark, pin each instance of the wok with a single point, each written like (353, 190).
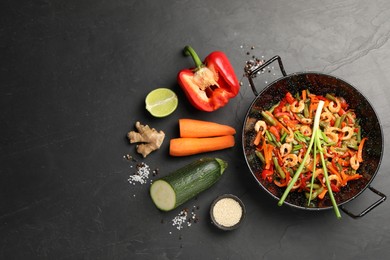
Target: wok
(320, 84)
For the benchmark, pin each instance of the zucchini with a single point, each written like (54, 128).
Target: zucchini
(185, 183)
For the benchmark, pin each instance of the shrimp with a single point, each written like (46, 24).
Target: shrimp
(305, 130)
(261, 126)
(354, 162)
(290, 137)
(290, 160)
(306, 121)
(285, 149)
(328, 153)
(308, 160)
(348, 132)
(335, 178)
(297, 109)
(318, 172)
(334, 109)
(327, 116)
(296, 185)
(330, 133)
(333, 137)
(332, 129)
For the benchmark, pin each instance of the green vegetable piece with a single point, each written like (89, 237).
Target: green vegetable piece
(330, 97)
(330, 192)
(260, 156)
(278, 168)
(267, 118)
(185, 183)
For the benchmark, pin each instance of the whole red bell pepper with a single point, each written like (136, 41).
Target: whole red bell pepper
(210, 84)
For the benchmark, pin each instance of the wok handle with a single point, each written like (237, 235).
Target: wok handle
(253, 73)
(371, 207)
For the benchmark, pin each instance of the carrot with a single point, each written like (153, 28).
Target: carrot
(352, 177)
(322, 194)
(304, 95)
(268, 155)
(360, 150)
(198, 128)
(188, 145)
(258, 138)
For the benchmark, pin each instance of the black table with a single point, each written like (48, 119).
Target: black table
(74, 75)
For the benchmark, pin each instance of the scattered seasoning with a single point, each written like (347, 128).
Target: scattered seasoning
(252, 64)
(129, 157)
(156, 171)
(180, 220)
(185, 218)
(141, 175)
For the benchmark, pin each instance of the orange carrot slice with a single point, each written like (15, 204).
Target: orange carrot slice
(188, 145)
(199, 128)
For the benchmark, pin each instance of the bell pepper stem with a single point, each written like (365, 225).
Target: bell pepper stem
(189, 51)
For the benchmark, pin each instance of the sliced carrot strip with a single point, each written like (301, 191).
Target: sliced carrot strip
(189, 146)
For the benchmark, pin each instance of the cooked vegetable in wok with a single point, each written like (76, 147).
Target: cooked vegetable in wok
(285, 138)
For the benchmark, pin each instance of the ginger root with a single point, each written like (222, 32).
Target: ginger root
(150, 138)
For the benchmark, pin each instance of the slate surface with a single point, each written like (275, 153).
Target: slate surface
(74, 75)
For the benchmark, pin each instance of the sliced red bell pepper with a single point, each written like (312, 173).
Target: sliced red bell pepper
(343, 103)
(279, 108)
(275, 132)
(210, 84)
(334, 187)
(267, 174)
(289, 98)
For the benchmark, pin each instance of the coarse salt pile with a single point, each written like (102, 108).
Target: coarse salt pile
(182, 219)
(141, 175)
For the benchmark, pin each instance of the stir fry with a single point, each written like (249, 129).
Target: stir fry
(284, 136)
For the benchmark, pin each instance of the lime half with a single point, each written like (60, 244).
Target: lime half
(161, 102)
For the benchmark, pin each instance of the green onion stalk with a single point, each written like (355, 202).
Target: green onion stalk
(335, 207)
(315, 138)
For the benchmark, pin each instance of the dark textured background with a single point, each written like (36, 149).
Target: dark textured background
(74, 75)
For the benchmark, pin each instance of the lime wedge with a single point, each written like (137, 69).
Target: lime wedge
(161, 102)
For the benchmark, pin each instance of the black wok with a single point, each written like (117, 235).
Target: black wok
(319, 84)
